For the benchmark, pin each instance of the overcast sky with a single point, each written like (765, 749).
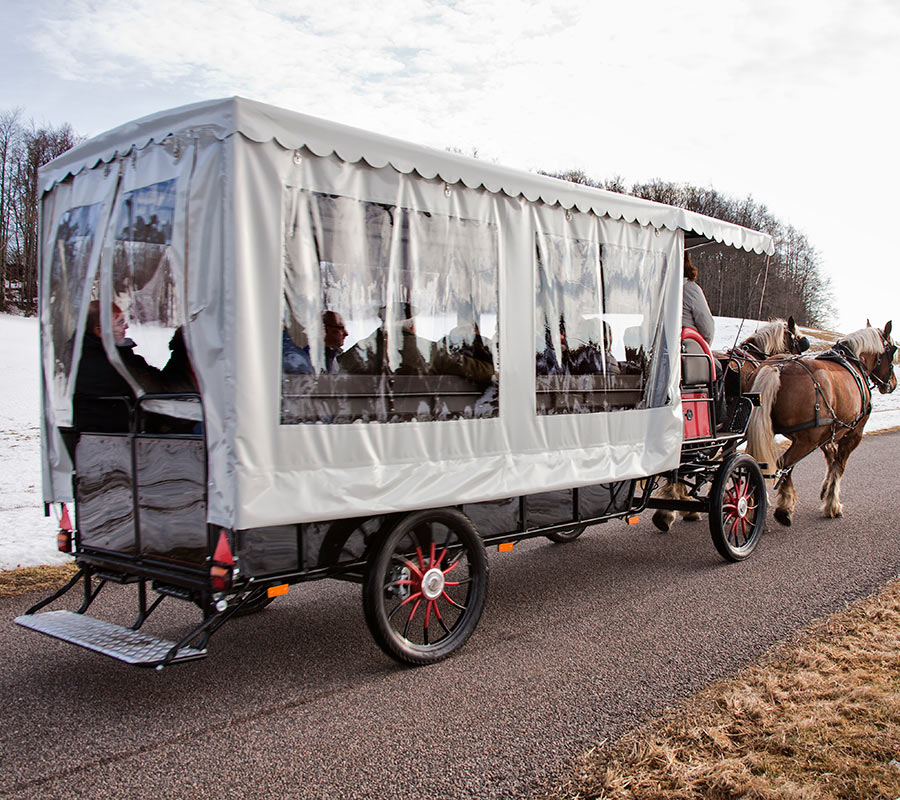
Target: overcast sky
(794, 103)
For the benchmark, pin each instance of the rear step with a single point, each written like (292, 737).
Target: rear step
(116, 641)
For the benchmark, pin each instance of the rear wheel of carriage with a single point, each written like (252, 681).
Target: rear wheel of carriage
(425, 586)
(570, 535)
(737, 507)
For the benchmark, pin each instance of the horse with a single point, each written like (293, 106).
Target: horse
(774, 338)
(819, 402)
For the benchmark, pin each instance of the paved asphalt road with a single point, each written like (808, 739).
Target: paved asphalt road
(578, 642)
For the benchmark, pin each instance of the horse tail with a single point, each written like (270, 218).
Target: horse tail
(760, 432)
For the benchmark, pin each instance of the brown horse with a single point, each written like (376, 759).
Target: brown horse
(822, 402)
(774, 338)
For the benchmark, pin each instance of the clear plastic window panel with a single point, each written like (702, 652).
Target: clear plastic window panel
(72, 248)
(145, 293)
(390, 314)
(598, 311)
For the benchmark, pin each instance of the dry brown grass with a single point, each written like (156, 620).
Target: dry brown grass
(818, 718)
(14, 582)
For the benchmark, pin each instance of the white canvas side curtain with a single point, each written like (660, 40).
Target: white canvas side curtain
(373, 326)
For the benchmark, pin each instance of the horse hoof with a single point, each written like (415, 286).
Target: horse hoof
(783, 516)
(691, 516)
(662, 521)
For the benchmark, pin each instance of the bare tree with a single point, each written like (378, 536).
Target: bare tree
(10, 131)
(24, 149)
(738, 283)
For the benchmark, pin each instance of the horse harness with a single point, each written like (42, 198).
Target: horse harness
(842, 355)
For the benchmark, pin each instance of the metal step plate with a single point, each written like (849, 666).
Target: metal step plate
(116, 641)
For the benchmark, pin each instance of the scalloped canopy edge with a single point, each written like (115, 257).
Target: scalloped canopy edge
(260, 122)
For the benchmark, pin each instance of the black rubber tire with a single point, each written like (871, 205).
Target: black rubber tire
(254, 606)
(737, 526)
(570, 535)
(433, 558)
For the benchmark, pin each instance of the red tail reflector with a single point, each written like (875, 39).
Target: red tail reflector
(64, 541)
(222, 554)
(223, 561)
(65, 524)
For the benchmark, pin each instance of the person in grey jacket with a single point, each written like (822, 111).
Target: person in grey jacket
(695, 311)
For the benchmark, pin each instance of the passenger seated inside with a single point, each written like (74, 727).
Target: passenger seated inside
(464, 352)
(104, 398)
(335, 334)
(178, 375)
(393, 348)
(588, 358)
(97, 378)
(295, 358)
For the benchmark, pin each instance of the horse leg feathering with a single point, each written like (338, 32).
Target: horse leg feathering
(663, 518)
(832, 506)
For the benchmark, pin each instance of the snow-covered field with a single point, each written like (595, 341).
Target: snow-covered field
(28, 538)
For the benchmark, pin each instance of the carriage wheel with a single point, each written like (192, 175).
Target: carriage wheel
(737, 507)
(570, 535)
(425, 586)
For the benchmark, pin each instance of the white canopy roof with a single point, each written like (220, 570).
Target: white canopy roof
(260, 122)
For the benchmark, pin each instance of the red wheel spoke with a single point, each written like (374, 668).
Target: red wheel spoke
(421, 560)
(452, 601)
(400, 605)
(431, 563)
(415, 570)
(410, 619)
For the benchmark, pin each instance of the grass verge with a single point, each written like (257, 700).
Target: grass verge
(817, 718)
(14, 582)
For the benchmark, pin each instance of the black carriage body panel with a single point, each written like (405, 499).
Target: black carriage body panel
(141, 512)
(142, 496)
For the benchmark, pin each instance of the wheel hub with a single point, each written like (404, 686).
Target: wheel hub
(433, 583)
(742, 507)
(400, 578)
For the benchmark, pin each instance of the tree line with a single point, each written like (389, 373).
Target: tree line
(737, 283)
(24, 147)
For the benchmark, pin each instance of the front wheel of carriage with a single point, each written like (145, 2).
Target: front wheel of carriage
(425, 586)
(737, 507)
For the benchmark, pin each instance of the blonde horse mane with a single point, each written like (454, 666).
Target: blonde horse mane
(866, 341)
(769, 338)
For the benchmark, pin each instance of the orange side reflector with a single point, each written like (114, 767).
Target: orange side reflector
(505, 547)
(633, 520)
(277, 591)
(219, 578)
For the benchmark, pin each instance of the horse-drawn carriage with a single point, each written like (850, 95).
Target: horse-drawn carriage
(391, 358)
